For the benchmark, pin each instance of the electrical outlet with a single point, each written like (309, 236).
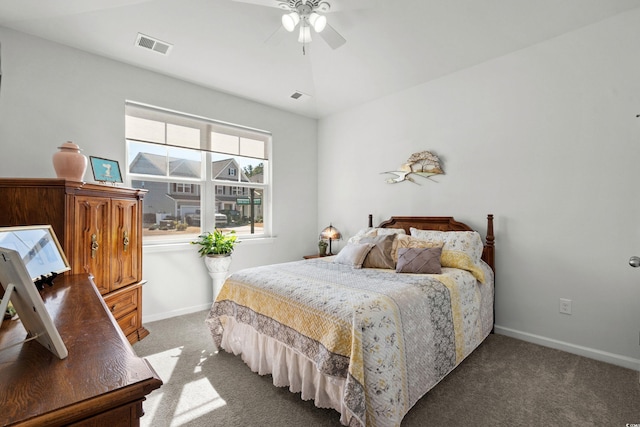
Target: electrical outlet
(565, 306)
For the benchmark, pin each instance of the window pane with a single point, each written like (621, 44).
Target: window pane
(234, 202)
(225, 167)
(144, 130)
(238, 168)
(185, 163)
(170, 209)
(147, 159)
(253, 169)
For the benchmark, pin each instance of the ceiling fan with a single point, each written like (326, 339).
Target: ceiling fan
(305, 14)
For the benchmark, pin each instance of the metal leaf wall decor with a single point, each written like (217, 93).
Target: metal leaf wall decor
(424, 163)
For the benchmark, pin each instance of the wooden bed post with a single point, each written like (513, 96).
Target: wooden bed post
(370, 221)
(489, 248)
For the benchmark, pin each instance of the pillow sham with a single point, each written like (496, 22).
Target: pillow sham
(365, 232)
(353, 254)
(380, 254)
(404, 241)
(462, 249)
(373, 232)
(419, 260)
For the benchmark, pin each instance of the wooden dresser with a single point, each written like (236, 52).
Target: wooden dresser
(100, 383)
(100, 230)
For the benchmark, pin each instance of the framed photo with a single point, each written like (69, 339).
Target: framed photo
(38, 248)
(18, 287)
(105, 170)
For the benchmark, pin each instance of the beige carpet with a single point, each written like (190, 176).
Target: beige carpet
(505, 382)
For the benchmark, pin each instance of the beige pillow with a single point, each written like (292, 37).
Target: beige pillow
(380, 254)
(462, 249)
(353, 254)
(404, 241)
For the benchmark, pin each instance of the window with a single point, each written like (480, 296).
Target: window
(199, 174)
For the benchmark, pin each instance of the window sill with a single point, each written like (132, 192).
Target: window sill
(160, 247)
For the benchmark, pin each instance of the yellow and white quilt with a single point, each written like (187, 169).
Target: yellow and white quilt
(390, 337)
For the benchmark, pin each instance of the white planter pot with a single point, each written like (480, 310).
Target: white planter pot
(218, 266)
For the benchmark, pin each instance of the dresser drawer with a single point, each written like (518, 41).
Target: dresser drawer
(129, 323)
(123, 301)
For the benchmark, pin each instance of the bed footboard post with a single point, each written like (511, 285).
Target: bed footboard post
(370, 221)
(489, 248)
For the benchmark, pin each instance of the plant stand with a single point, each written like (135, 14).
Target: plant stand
(218, 266)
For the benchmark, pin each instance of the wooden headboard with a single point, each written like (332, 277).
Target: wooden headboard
(442, 223)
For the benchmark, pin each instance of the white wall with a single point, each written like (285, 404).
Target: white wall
(51, 93)
(546, 139)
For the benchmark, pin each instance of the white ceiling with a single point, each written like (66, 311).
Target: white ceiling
(391, 45)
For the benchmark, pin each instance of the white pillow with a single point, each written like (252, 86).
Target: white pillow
(374, 232)
(353, 254)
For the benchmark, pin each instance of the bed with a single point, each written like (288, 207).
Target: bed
(368, 339)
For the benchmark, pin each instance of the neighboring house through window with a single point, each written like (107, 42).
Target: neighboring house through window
(199, 174)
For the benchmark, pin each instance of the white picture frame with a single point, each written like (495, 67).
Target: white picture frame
(21, 291)
(38, 247)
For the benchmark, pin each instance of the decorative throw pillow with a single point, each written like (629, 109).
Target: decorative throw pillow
(388, 231)
(353, 254)
(365, 232)
(412, 242)
(373, 232)
(462, 249)
(419, 260)
(380, 254)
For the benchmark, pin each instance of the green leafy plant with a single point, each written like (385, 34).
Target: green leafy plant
(216, 243)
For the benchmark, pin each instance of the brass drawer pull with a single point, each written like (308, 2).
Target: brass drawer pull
(125, 240)
(94, 245)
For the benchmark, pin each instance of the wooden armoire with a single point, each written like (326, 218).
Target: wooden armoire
(100, 230)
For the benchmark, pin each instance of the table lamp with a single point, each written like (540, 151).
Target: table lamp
(330, 233)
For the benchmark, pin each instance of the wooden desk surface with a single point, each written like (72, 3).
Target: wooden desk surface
(100, 373)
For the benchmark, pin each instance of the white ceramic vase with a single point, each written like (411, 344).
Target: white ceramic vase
(218, 266)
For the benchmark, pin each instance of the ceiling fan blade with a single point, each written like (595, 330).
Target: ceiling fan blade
(268, 3)
(332, 37)
(352, 5)
(277, 36)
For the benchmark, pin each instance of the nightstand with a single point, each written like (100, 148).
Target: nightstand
(314, 256)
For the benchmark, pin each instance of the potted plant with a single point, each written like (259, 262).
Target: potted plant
(216, 249)
(216, 243)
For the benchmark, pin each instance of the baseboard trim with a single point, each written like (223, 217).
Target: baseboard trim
(174, 313)
(603, 356)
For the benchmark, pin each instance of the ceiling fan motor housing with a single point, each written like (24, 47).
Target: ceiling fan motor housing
(307, 6)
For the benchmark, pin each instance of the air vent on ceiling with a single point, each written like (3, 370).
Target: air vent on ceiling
(155, 45)
(298, 96)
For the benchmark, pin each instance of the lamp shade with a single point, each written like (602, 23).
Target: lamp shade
(290, 20)
(318, 22)
(330, 233)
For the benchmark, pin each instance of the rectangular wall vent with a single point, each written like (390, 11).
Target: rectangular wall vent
(153, 44)
(297, 95)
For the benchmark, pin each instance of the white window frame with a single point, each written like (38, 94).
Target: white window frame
(207, 183)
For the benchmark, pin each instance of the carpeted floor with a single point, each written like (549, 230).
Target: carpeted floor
(505, 382)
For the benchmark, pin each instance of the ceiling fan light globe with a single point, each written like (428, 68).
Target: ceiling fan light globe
(290, 20)
(305, 34)
(319, 22)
